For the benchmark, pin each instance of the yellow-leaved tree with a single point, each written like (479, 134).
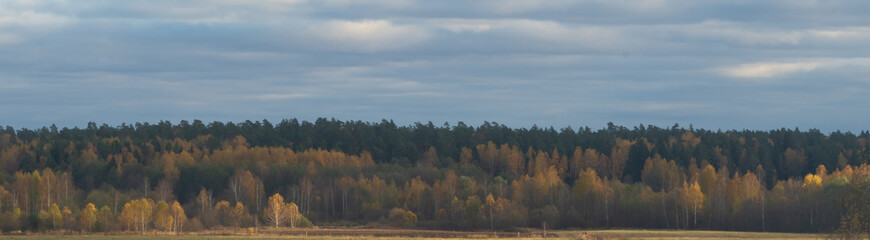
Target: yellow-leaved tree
(278, 213)
(163, 219)
(53, 217)
(295, 215)
(178, 215)
(137, 214)
(691, 197)
(89, 217)
(811, 187)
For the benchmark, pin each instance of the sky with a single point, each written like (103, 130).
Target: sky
(742, 64)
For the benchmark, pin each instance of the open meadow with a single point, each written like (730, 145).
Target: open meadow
(311, 233)
(392, 234)
(677, 234)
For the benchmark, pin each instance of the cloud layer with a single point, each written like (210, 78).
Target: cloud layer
(714, 64)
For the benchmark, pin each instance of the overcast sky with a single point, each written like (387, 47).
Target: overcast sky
(714, 64)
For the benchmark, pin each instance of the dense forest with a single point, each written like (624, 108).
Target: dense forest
(195, 176)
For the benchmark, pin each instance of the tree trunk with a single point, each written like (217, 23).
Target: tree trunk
(545, 229)
(275, 218)
(677, 215)
(236, 188)
(345, 204)
(665, 211)
(606, 213)
(47, 192)
(763, 229)
(491, 227)
(687, 217)
(812, 224)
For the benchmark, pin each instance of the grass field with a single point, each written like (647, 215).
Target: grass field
(101, 237)
(394, 234)
(156, 237)
(675, 234)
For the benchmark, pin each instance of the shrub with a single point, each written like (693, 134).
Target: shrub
(402, 218)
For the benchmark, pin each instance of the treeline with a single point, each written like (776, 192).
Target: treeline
(189, 177)
(389, 143)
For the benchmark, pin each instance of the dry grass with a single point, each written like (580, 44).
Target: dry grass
(675, 234)
(160, 237)
(394, 234)
(287, 233)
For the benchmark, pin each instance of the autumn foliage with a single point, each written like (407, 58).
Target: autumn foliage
(193, 177)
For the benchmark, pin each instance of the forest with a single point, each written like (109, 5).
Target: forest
(194, 176)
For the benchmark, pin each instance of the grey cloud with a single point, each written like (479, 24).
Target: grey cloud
(714, 64)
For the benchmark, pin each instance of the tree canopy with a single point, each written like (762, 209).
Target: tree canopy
(191, 176)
